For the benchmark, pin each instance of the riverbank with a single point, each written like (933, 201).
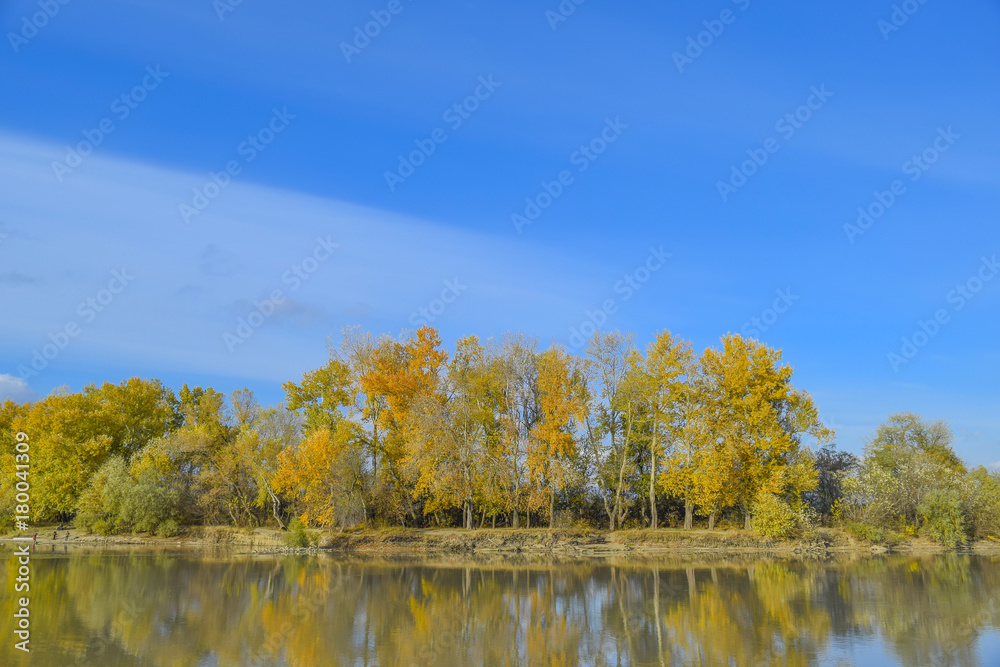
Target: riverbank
(558, 542)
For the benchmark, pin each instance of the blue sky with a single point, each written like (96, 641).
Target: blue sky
(868, 98)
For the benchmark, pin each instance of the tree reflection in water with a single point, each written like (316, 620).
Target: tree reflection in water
(185, 609)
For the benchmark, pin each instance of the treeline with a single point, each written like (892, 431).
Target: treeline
(502, 433)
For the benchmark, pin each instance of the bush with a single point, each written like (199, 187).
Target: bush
(944, 521)
(981, 504)
(168, 528)
(298, 537)
(866, 532)
(772, 516)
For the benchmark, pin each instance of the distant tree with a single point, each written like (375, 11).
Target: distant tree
(832, 467)
(907, 459)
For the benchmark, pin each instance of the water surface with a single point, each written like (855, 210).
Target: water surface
(206, 609)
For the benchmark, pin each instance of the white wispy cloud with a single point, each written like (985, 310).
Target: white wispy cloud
(192, 279)
(16, 389)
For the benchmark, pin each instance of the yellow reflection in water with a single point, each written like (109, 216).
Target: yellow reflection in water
(204, 609)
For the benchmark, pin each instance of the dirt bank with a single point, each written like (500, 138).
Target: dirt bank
(559, 543)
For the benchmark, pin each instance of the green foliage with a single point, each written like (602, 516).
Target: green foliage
(981, 503)
(168, 528)
(101, 527)
(908, 459)
(864, 532)
(943, 518)
(873, 534)
(129, 498)
(298, 537)
(772, 516)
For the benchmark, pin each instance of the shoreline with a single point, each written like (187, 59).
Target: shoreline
(560, 543)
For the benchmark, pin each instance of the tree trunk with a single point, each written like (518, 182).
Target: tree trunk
(275, 506)
(514, 520)
(552, 509)
(711, 521)
(652, 486)
(746, 521)
(652, 477)
(688, 515)
(656, 614)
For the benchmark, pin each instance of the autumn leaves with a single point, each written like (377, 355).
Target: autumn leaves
(401, 432)
(404, 432)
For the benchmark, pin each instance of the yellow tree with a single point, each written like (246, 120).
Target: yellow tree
(369, 358)
(688, 471)
(73, 434)
(663, 388)
(261, 434)
(395, 377)
(322, 394)
(553, 443)
(749, 399)
(324, 475)
(514, 370)
(204, 408)
(613, 419)
(448, 434)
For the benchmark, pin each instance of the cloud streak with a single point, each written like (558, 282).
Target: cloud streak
(17, 390)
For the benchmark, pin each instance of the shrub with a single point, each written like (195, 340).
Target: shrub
(864, 532)
(943, 518)
(981, 504)
(297, 535)
(772, 516)
(168, 528)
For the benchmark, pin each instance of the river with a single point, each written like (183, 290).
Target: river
(209, 608)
